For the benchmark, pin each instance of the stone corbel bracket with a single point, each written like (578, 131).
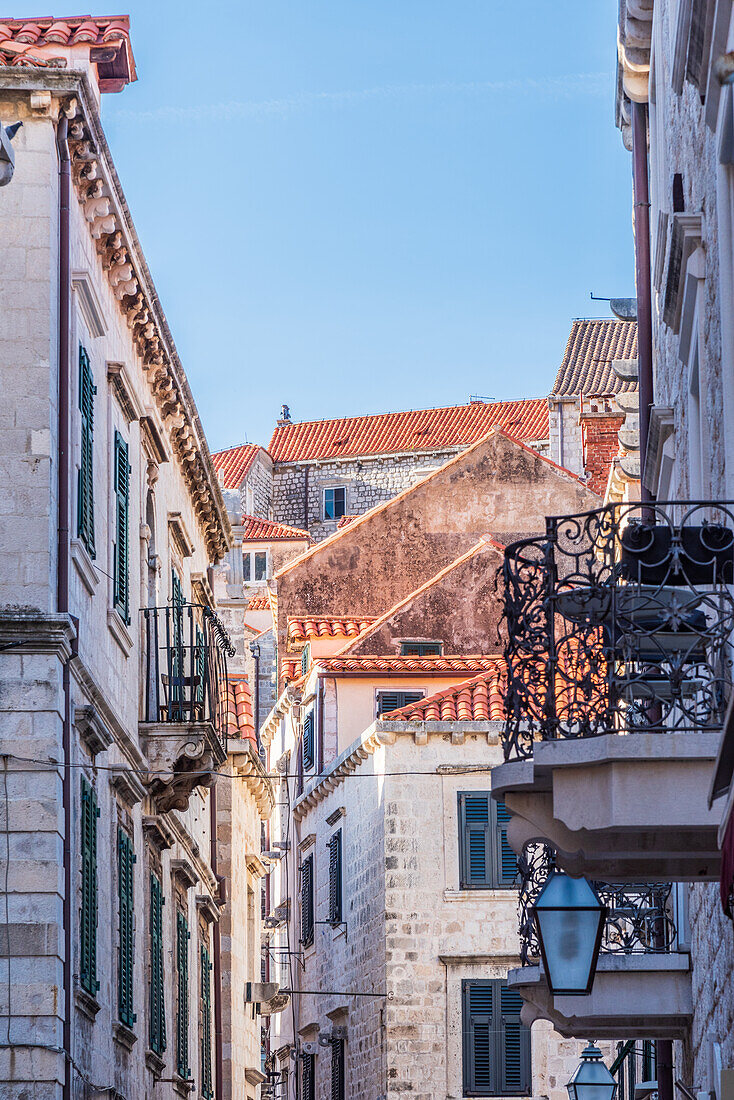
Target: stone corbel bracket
(181, 757)
(248, 765)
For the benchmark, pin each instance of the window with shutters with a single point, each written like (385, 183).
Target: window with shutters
(496, 1045)
(338, 1070)
(335, 878)
(176, 651)
(207, 1085)
(486, 860)
(125, 910)
(309, 741)
(121, 558)
(182, 995)
(388, 701)
(420, 649)
(85, 483)
(157, 1014)
(307, 896)
(305, 659)
(308, 1076)
(89, 898)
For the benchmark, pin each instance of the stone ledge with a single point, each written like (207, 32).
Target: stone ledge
(84, 566)
(124, 1035)
(120, 633)
(155, 1063)
(88, 1005)
(28, 630)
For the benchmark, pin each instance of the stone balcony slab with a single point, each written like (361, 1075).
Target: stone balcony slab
(619, 808)
(181, 756)
(633, 997)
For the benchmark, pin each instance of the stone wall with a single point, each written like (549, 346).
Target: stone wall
(256, 491)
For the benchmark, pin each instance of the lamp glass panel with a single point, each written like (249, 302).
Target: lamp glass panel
(569, 939)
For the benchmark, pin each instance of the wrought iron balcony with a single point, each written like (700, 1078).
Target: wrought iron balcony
(639, 917)
(183, 727)
(618, 622)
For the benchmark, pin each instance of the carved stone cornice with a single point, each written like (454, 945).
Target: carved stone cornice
(93, 731)
(181, 756)
(105, 210)
(247, 763)
(34, 632)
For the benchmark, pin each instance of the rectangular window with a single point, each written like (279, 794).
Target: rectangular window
(125, 909)
(261, 566)
(307, 892)
(157, 1018)
(393, 700)
(335, 502)
(89, 899)
(85, 483)
(207, 1088)
(247, 567)
(338, 1075)
(309, 1077)
(309, 741)
(182, 995)
(420, 649)
(496, 1047)
(335, 878)
(121, 559)
(486, 860)
(305, 659)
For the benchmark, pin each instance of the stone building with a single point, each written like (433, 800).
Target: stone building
(391, 930)
(115, 709)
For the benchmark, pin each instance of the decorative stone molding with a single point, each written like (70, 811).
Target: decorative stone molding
(127, 785)
(255, 865)
(158, 832)
(122, 389)
(179, 535)
(153, 440)
(120, 632)
(247, 763)
(30, 631)
(93, 731)
(208, 908)
(84, 566)
(181, 756)
(184, 872)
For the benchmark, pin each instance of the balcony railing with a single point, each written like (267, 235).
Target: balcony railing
(186, 650)
(618, 621)
(639, 918)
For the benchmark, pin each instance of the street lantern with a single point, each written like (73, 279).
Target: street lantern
(591, 1080)
(570, 921)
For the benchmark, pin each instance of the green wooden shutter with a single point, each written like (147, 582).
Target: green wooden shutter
(182, 1005)
(85, 482)
(395, 700)
(305, 659)
(478, 1032)
(125, 948)
(307, 914)
(506, 859)
(176, 652)
(207, 1090)
(157, 1020)
(515, 1077)
(121, 558)
(309, 754)
(89, 900)
(335, 878)
(475, 842)
(338, 1083)
(309, 1077)
(199, 666)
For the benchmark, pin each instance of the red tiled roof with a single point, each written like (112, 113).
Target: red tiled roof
(43, 43)
(290, 668)
(477, 700)
(239, 721)
(394, 664)
(267, 529)
(345, 521)
(322, 626)
(587, 360)
(259, 603)
(232, 465)
(415, 430)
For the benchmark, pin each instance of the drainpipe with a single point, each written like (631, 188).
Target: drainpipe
(217, 945)
(305, 498)
(642, 278)
(62, 564)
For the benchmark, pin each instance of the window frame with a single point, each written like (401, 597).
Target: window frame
(308, 893)
(126, 928)
(89, 907)
(424, 649)
(308, 740)
(205, 997)
(497, 850)
(85, 478)
(183, 1000)
(156, 977)
(415, 697)
(335, 845)
(121, 547)
(333, 489)
(497, 1042)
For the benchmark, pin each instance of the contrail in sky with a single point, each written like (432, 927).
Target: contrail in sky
(560, 87)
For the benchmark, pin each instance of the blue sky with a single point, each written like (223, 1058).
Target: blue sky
(363, 205)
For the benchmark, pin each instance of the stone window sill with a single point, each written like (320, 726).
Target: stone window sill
(182, 1085)
(155, 1063)
(120, 632)
(88, 1005)
(490, 893)
(84, 566)
(124, 1035)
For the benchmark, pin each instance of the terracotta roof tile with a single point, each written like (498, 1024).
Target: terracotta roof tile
(290, 669)
(239, 721)
(393, 664)
(259, 603)
(481, 699)
(322, 626)
(587, 360)
(44, 42)
(266, 529)
(233, 464)
(415, 430)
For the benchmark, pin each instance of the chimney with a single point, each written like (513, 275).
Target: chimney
(285, 416)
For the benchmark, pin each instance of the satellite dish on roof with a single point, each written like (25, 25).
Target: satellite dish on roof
(624, 308)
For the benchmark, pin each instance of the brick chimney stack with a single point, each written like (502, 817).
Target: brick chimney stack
(285, 416)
